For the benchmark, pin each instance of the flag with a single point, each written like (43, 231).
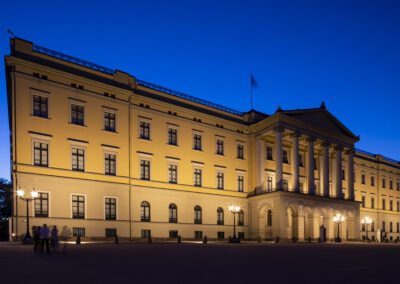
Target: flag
(253, 81)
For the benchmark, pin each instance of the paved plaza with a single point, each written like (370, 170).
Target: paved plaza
(202, 263)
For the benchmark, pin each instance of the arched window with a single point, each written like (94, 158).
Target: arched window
(173, 213)
(240, 218)
(145, 211)
(220, 216)
(197, 215)
(269, 218)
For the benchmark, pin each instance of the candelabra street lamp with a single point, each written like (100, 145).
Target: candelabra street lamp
(366, 221)
(234, 210)
(21, 193)
(338, 218)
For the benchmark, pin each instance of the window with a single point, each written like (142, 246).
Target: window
(398, 205)
(78, 159)
(240, 218)
(77, 114)
(110, 208)
(78, 207)
(372, 180)
(301, 164)
(197, 215)
(111, 233)
(41, 154)
(241, 235)
(398, 227)
(269, 218)
(383, 183)
(362, 178)
(220, 216)
(42, 205)
(383, 226)
(285, 184)
(398, 186)
(285, 157)
(390, 184)
(363, 227)
(363, 200)
(173, 234)
(383, 204)
(315, 164)
(172, 136)
(390, 227)
(109, 121)
(269, 153)
(197, 142)
(372, 202)
(78, 232)
(240, 183)
(220, 180)
(240, 151)
(269, 184)
(146, 233)
(220, 147)
(110, 164)
(145, 211)
(172, 173)
(391, 205)
(145, 169)
(173, 213)
(40, 106)
(221, 235)
(197, 177)
(144, 130)
(198, 234)
(343, 174)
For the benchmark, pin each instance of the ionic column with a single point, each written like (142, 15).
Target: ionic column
(260, 158)
(311, 166)
(350, 173)
(325, 169)
(338, 169)
(295, 162)
(278, 157)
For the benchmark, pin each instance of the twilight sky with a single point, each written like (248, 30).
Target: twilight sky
(346, 53)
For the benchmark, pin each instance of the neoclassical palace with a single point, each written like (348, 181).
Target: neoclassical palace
(108, 153)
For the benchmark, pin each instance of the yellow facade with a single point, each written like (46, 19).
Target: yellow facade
(35, 71)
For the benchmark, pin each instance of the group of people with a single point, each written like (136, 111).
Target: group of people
(44, 238)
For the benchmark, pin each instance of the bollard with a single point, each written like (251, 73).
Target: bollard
(179, 239)
(78, 240)
(205, 240)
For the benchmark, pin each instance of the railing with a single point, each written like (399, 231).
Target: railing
(187, 97)
(374, 155)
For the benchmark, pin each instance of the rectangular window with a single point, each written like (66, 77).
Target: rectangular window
(172, 173)
(301, 164)
(78, 207)
(41, 154)
(383, 183)
(240, 151)
(42, 205)
(363, 201)
(398, 227)
(197, 142)
(197, 177)
(391, 205)
(343, 174)
(145, 169)
(383, 226)
(111, 233)
(78, 159)
(198, 234)
(269, 184)
(173, 234)
(398, 205)
(315, 164)
(220, 147)
(398, 186)
(285, 157)
(77, 114)
(390, 227)
(372, 180)
(110, 164)
(110, 208)
(221, 235)
(40, 106)
(241, 235)
(78, 232)
(220, 180)
(372, 202)
(390, 184)
(109, 121)
(240, 183)
(362, 178)
(146, 233)
(144, 131)
(269, 153)
(172, 136)
(383, 204)
(285, 184)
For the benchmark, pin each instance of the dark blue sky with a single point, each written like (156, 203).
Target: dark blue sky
(346, 53)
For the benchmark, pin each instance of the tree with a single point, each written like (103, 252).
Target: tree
(5, 207)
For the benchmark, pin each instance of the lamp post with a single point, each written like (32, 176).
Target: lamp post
(366, 221)
(234, 210)
(338, 218)
(21, 193)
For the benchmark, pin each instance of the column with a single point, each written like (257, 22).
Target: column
(278, 157)
(338, 170)
(295, 162)
(310, 166)
(350, 173)
(260, 158)
(325, 169)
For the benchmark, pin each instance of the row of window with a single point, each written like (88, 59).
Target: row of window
(145, 233)
(372, 204)
(145, 214)
(390, 227)
(372, 182)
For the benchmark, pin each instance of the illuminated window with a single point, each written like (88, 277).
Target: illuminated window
(78, 207)
(41, 154)
(220, 180)
(42, 205)
(220, 216)
(40, 106)
(110, 164)
(240, 183)
(145, 211)
(77, 114)
(144, 130)
(110, 208)
(197, 177)
(269, 184)
(109, 121)
(172, 173)
(240, 221)
(173, 213)
(78, 232)
(197, 215)
(78, 159)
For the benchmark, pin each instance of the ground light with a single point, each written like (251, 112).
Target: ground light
(34, 194)
(366, 221)
(234, 210)
(338, 218)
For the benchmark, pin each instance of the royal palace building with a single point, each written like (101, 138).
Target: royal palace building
(108, 153)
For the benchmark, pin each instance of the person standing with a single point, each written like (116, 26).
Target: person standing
(44, 234)
(36, 239)
(54, 238)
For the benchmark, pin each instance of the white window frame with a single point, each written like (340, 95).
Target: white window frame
(110, 110)
(70, 205)
(42, 94)
(116, 207)
(79, 103)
